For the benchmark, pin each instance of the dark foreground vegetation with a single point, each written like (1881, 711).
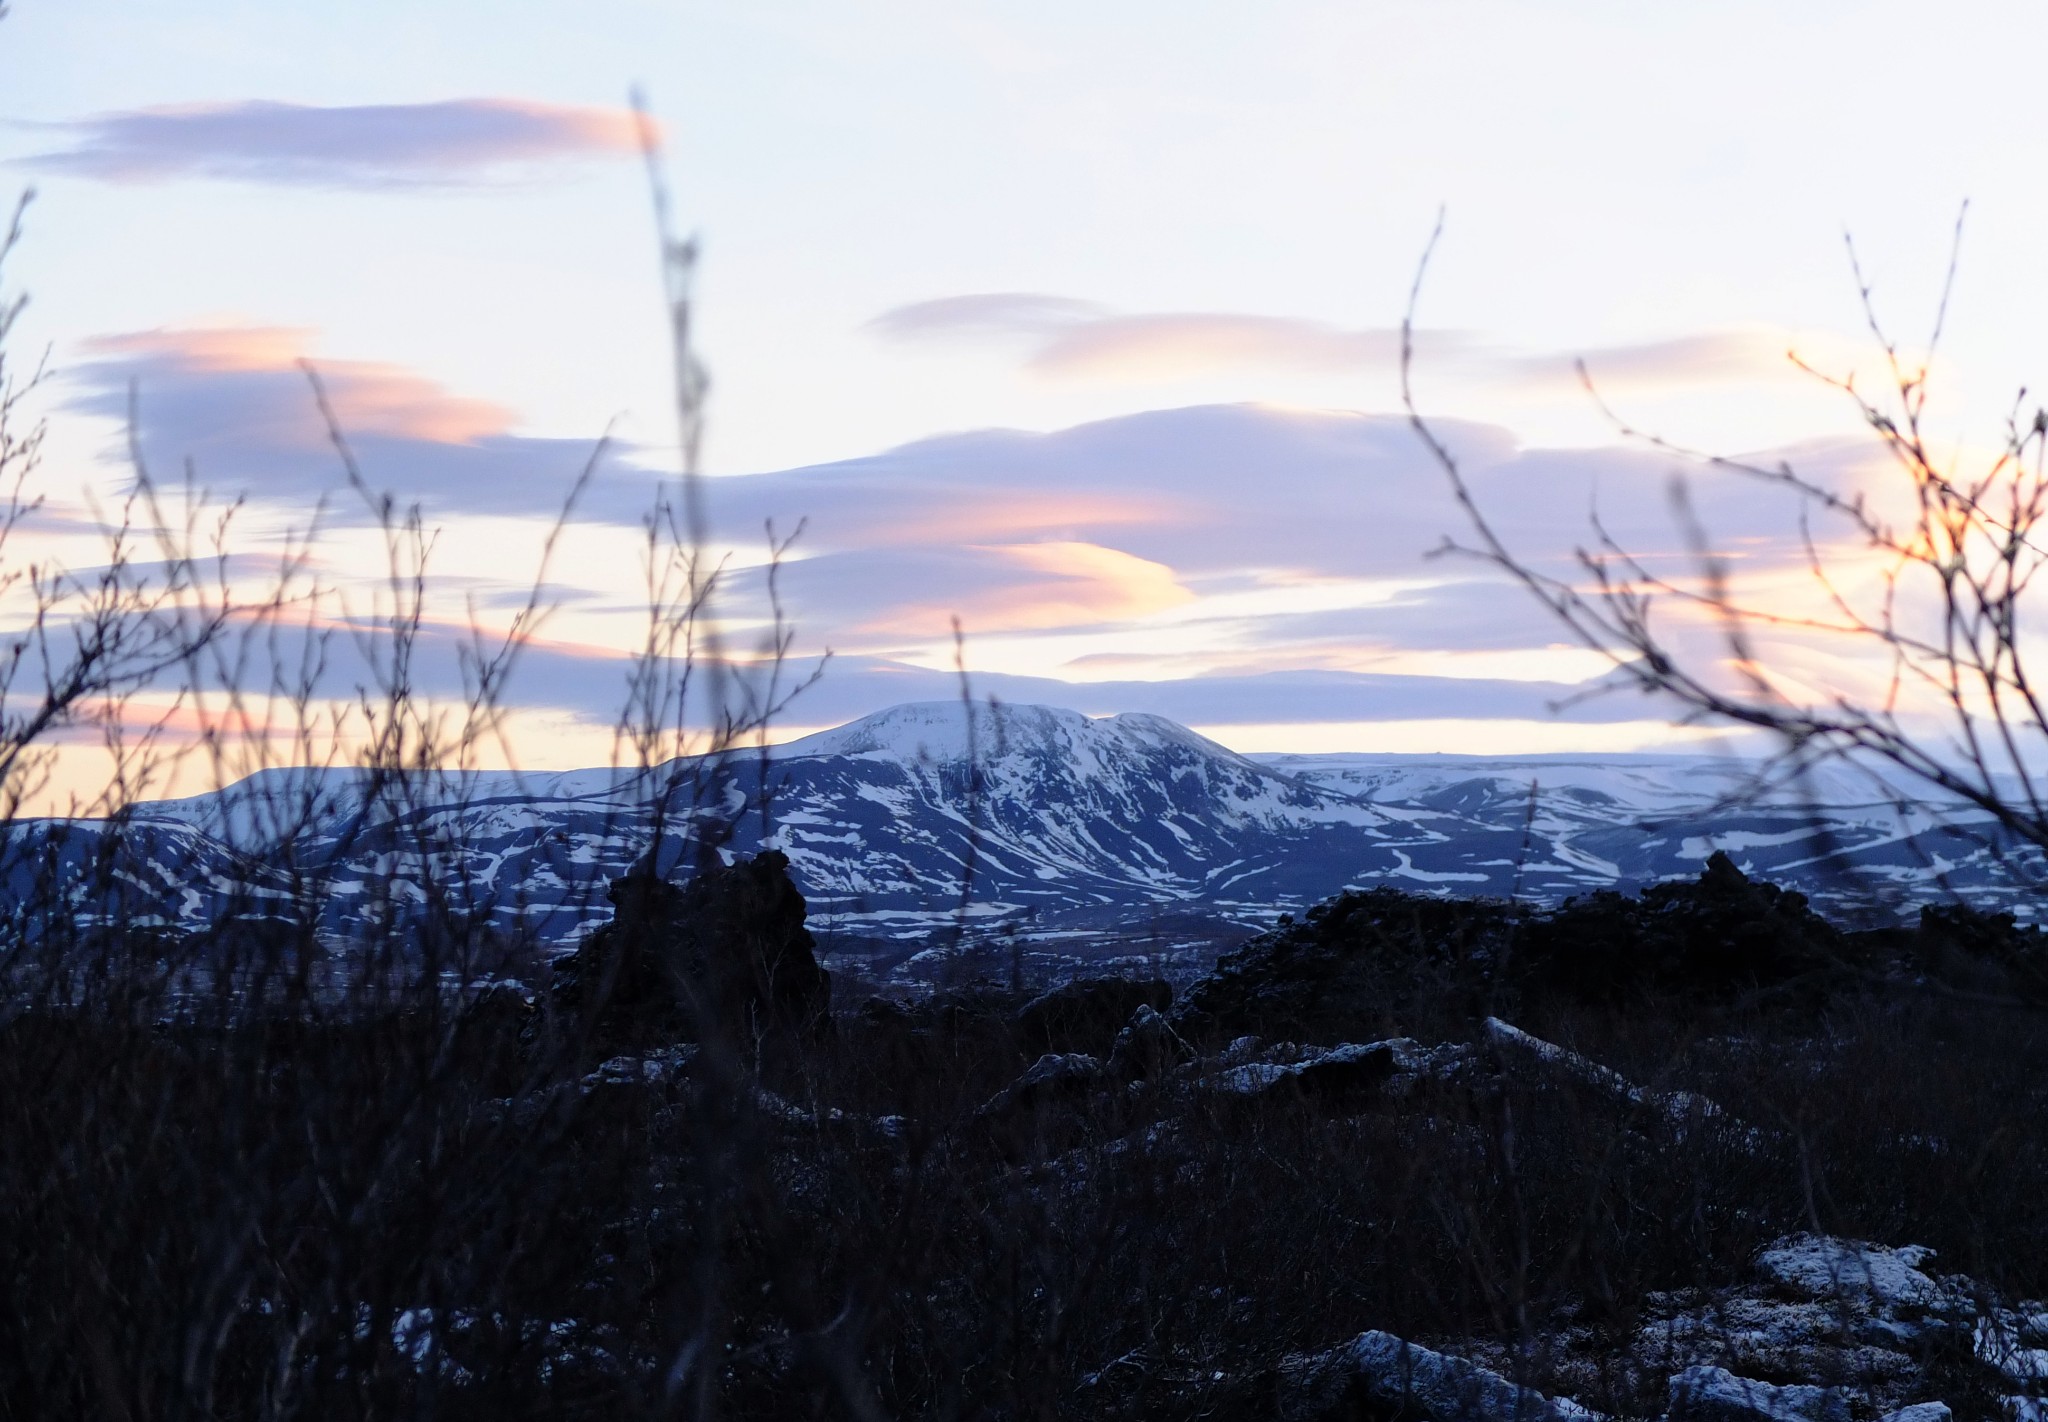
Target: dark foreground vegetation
(1380, 1161)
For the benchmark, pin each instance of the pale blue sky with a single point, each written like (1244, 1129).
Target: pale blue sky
(1226, 196)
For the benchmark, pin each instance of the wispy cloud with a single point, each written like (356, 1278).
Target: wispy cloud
(1705, 358)
(993, 313)
(1084, 341)
(1178, 345)
(358, 146)
(1064, 338)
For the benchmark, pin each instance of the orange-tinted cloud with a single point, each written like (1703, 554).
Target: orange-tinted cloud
(369, 397)
(976, 516)
(1031, 587)
(237, 403)
(1182, 345)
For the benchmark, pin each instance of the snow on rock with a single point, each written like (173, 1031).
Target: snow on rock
(660, 1068)
(1381, 1368)
(1754, 1330)
(1584, 1070)
(1821, 1267)
(2007, 1338)
(1711, 1394)
(1398, 1066)
(1343, 1070)
(1919, 1412)
(1865, 1318)
(1678, 1107)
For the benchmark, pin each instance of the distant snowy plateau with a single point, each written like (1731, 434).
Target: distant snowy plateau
(1021, 820)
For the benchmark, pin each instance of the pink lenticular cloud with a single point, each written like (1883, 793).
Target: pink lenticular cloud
(216, 349)
(1065, 339)
(363, 145)
(971, 515)
(1037, 587)
(369, 397)
(237, 403)
(1181, 345)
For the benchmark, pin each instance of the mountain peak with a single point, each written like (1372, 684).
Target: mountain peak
(939, 731)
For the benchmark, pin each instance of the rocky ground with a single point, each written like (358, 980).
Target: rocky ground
(1697, 1153)
(1118, 1083)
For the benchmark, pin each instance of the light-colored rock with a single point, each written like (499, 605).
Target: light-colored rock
(1428, 1385)
(1350, 1069)
(1679, 1107)
(1710, 1394)
(661, 1068)
(1872, 1275)
(2001, 1338)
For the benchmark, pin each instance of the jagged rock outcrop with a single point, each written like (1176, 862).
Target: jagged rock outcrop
(1716, 937)
(1055, 1078)
(1353, 967)
(1675, 1108)
(1147, 1048)
(1344, 971)
(724, 957)
(976, 1011)
(1346, 1075)
(1085, 1015)
(1962, 947)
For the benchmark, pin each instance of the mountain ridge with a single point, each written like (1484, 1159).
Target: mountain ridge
(932, 818)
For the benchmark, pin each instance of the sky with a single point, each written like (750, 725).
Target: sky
(1077, 323)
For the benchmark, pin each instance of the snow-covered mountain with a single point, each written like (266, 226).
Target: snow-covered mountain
(1061, 817)
(1854, 838)
(930, 815)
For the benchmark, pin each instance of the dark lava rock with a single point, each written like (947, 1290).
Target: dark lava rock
(1147, 1048)
(1086, 1014)
(1348, 969)
(724, 957)
(1345, 1078)
(1057, 1078)
(978, 1010)
(1347, 1072)
(1359, 966)
(1719, 936)
(960, 1038)
(1985, 952)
